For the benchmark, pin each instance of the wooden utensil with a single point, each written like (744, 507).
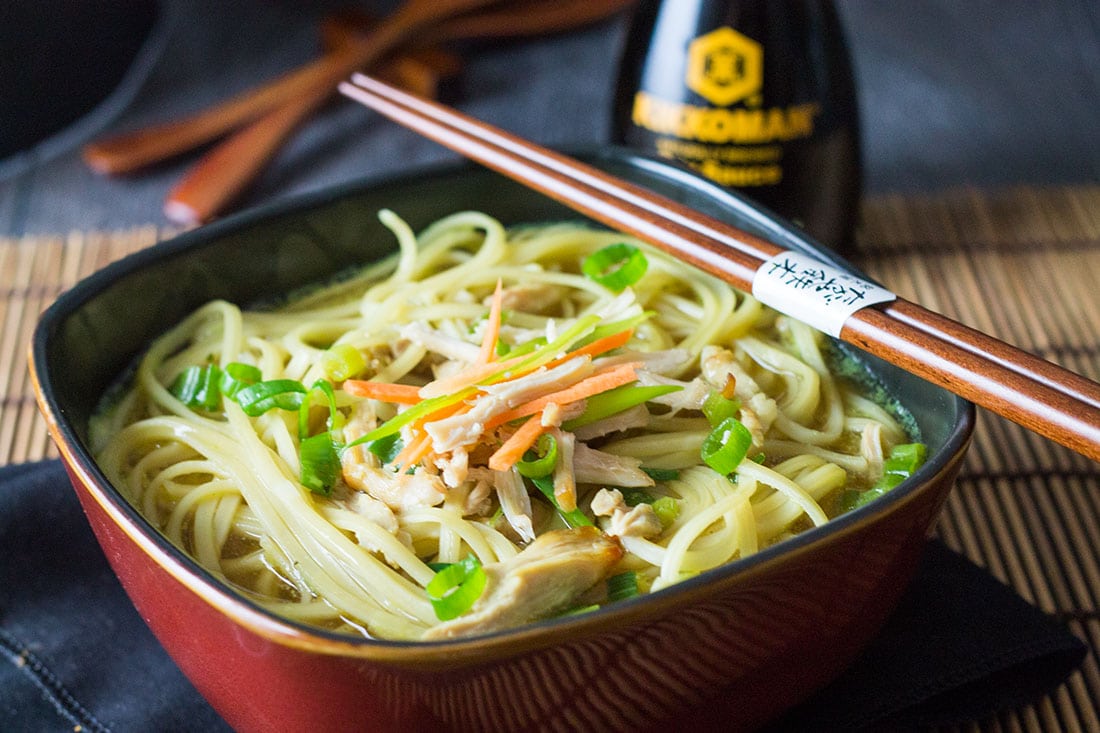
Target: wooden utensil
(1034, 393)
(130, 151)
(220, 176)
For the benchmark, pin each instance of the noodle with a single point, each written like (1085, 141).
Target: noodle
(355, 555)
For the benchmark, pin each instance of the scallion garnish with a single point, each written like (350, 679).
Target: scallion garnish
(667, 510)
(634, 497)
(334, 418)
(661, 474)
(616, 266)
(386, 448)
(320, 463)
(575, 518)
(902, 463)
(454, 589)
(236, 376)
(342, 361)
(540, 461)
(614, 401)
(258, 398)
(717, 407)
(622, 586)
(197, 386)
(726, 446)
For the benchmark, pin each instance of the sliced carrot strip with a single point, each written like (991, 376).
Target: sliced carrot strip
(597, 347)
(600, 382)
(403, 394)
(414, 450)
(469, 376)
(521, 441)
(492, 328)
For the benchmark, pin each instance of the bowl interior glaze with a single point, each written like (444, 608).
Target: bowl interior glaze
(107, 320)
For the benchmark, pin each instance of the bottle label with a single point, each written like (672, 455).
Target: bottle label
(735, 146)
(813, 292)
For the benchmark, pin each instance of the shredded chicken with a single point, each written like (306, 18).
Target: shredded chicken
(440, 343)
(540, 298)
(691, 395)
(543, 579)
(363, 472)
(515, 502)
(591, 466)
(395, 490)
(625, 521)
(870, 446)
(565, 481)
(376, 511)
(466, 428)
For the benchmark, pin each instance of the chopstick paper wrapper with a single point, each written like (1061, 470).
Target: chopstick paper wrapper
(813, 292)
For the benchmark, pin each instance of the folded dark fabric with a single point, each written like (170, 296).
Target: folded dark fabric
(960, 646)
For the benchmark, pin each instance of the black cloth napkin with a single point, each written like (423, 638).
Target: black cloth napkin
(960, 646)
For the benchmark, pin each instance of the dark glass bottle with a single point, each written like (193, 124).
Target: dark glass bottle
(757, 95)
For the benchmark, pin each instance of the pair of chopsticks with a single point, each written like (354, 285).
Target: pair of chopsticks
(1038, 395)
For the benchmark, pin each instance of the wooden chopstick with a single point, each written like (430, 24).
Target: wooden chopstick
(1034, 393)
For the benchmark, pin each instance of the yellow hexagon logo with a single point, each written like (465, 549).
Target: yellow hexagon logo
(724, 66)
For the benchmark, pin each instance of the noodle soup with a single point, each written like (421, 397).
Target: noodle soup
(492, 427)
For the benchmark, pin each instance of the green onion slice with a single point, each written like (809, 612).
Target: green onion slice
(726, 446)
(454, 589)
(616, 266)
(903, 462)
(616, 400)
(320, 463)
(667, 510)
(334, 417)
(575, 518)
(386, 447)
(540, 461)
(197, 386)
(256, 399)
(342, 361)
(717, 408)
(236, 376)
(622, 586)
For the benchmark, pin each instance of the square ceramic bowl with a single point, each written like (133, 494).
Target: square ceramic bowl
(732, 647)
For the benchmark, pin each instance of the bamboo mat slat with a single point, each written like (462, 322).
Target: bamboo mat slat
(1022, 264)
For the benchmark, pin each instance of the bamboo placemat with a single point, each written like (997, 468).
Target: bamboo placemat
(1022, 264)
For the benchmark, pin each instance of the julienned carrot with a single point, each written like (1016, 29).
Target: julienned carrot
(599, 382)
(469, 376)
(597, 347)
(492, 328)
(521, 441)
(413, 451)
(402, 394)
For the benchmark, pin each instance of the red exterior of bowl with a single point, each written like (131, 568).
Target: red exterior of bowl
(727, 650)
(725, 656)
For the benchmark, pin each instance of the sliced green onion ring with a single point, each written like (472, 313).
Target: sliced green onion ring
(197, 386)
(334, 417)
(726, 446)
(575, 518)
(236, 376)
(320, 463)
(616, 266)
(256, 399)
(541, 461)
(454, 589)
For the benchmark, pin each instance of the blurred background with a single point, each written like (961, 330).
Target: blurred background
(986, 93)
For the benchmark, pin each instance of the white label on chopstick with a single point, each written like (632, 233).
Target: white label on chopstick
(818, 294)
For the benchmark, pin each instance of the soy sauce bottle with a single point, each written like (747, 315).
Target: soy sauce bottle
(756, 95)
